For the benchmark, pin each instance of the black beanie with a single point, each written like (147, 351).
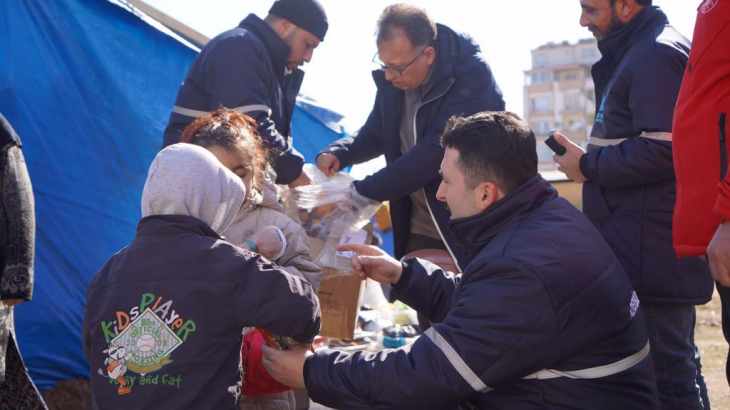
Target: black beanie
(306, 14)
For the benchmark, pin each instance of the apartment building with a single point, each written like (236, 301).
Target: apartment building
(559, 94)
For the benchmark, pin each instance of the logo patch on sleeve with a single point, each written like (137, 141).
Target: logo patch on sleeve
(634, 305)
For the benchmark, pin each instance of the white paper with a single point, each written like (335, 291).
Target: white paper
(357, 237)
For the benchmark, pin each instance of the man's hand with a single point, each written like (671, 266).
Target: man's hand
(718, 254)
(374, 263)
(302, 179)
(12, 302)
(569, 163)
(328, 163)
(286, 366)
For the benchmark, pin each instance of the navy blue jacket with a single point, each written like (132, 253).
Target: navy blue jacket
(243, 69)
(192, 294)
(463, 85)
(631, 189)
(542, 291)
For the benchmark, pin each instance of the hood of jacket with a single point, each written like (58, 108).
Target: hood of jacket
(185, 179)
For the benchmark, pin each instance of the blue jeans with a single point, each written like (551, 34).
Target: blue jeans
(676, 359)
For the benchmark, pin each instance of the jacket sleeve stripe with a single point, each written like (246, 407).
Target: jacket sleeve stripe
(594, 372)
(244, 109)
(602, 142)
(474, 381)
(190, 113)
(659, 136)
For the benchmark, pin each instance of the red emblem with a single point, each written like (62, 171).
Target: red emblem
(708, 5)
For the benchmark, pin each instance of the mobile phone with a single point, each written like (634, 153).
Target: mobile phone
(550, 142)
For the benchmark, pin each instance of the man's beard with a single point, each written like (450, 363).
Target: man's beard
(614, 25)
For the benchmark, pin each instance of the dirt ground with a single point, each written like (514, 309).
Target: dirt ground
(68, 395)
(75, 394)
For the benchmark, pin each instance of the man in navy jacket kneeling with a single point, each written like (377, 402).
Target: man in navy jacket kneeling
(543, 316)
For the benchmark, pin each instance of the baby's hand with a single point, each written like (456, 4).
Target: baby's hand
(269, 242)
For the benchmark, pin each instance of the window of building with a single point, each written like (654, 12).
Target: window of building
(572, 101)
(540, 127)
(541, 77)
(541, 60)
(588, 52)
(571, 76)
(545, 157)
(541, 104)
(576, 124)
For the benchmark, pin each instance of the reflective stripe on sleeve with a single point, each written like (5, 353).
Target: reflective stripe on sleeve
(190, 113)
(245, 109)
(659, 136)
(474, 381)
(601, 142)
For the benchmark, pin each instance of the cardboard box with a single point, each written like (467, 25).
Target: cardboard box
(340, 296)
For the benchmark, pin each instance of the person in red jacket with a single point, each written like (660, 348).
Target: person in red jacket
(701, 126)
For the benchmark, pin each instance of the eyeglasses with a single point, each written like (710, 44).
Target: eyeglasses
(395, 72)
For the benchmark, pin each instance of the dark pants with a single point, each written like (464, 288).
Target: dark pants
(725, 302)
(675, 356)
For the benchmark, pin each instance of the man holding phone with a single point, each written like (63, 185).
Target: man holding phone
(629, 185)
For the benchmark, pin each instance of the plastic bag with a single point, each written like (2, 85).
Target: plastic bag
(328, 210)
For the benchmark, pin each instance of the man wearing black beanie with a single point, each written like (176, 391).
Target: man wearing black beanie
(253, 69)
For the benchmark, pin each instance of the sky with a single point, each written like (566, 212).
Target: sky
(339, 75)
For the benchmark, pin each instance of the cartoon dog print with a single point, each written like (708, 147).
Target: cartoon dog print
(116, 366)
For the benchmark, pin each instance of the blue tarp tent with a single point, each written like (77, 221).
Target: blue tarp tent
(88, 85)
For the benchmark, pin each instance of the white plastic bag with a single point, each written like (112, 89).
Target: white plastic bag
(328, 210)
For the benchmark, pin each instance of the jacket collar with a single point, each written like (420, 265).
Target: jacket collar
(277, 48)
(617, 42)
(174, 224)
(476, 231)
